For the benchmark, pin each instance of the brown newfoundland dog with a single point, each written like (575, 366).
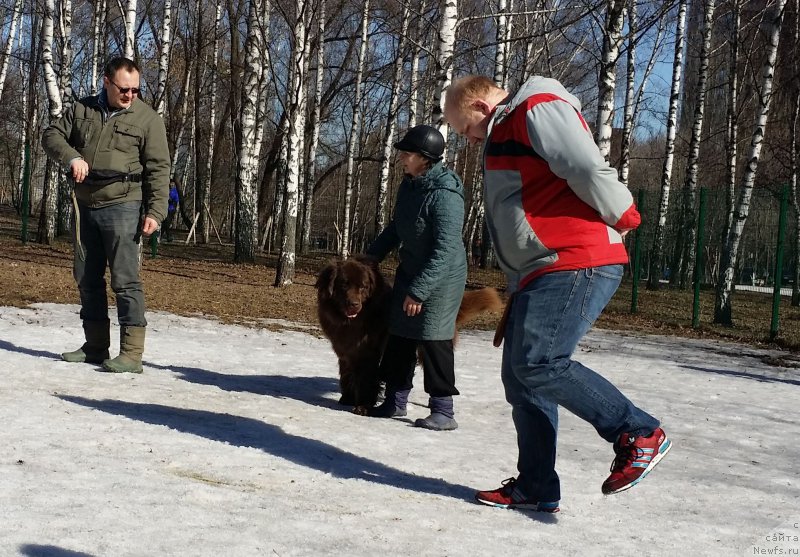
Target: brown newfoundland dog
(353, 308)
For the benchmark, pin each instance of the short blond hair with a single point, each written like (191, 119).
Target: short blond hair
(464, 90)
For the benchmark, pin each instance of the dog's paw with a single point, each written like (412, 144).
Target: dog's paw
(361, 410)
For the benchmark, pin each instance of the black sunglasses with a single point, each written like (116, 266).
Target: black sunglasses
(126, 90)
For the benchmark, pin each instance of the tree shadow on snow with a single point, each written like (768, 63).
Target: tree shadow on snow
(247, 432)
(310, 390)
(5, 345)
(744, 374)
(36, 550)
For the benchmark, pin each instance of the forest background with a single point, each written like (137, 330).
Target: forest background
(281, 118)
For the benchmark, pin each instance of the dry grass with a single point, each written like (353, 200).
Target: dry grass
(201, 279)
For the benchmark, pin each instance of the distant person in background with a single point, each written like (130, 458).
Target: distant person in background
(115, 147)
(556, 213)
(174, 199)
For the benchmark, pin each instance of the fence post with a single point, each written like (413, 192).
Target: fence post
(637, 257)
(698, 258)
(26, 179)
(776, 292)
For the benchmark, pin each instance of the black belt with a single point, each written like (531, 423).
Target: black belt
(102, 178)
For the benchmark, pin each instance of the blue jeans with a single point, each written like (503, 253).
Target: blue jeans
(110, 237)
(546, 321)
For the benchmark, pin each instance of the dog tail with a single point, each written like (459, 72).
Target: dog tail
(476, 302)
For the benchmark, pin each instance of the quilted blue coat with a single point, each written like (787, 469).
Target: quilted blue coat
(426, 226)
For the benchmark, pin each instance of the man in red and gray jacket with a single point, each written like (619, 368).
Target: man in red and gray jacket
(556, 213)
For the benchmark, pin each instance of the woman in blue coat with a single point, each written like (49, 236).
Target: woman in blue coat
(429, 283)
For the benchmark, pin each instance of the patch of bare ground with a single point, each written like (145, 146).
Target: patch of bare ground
(203, 280)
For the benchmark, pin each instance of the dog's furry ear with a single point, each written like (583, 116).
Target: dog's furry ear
(326, 278)
(368, 260)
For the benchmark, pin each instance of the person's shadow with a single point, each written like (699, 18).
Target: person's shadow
(310, 390)
(5, 345)
(37, 550)
(247, 432)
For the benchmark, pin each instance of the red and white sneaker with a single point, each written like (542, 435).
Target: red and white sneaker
(508, 497)
(636, 457)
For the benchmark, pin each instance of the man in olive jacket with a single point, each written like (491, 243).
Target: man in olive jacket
(115, 147)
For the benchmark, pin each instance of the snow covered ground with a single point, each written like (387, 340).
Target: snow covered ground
(231, 443)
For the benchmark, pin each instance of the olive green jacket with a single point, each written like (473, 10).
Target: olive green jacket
(133, 141)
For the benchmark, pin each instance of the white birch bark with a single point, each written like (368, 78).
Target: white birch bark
(130, 28)
(630, 94)
(263, 78)
(612, 39)
(413, 101)
(445, 44)
(722, 306)
(284, 274)
(354, 132)
(202, 132)
(205, 199)
(693, 162)
(732, 119)
(391, 123)
(316, 113)
(15, 17)
(47, 216)
(672, 127)
(501, 50)
(163, 59)
(247, 159)
(23, 131)
(98, 43)
(65, 88)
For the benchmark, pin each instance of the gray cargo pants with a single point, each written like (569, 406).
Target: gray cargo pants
(109, 236)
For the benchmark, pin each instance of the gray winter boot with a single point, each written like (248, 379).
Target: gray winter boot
(441, 418)
(393, 406)
(131, 348)
(95, 349)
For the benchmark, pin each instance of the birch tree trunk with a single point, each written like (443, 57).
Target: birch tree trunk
(183, 116)
(413, 100)
(65, 87)
(630, 94)
(501, 51)
(208, 163)
(284, 274)
(672, 127)
(47, 215)
(15, 16)
(444, 62)
(693, 163)
(163, 60)
(98, 42)
(247, 163)
(130, 28)
(202, 133)
(391, 122)
(344, 249)
(722, 306)
(612, 39)
(732, 121)
(316, 113)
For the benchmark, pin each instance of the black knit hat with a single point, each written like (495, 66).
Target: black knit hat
(425, 140)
